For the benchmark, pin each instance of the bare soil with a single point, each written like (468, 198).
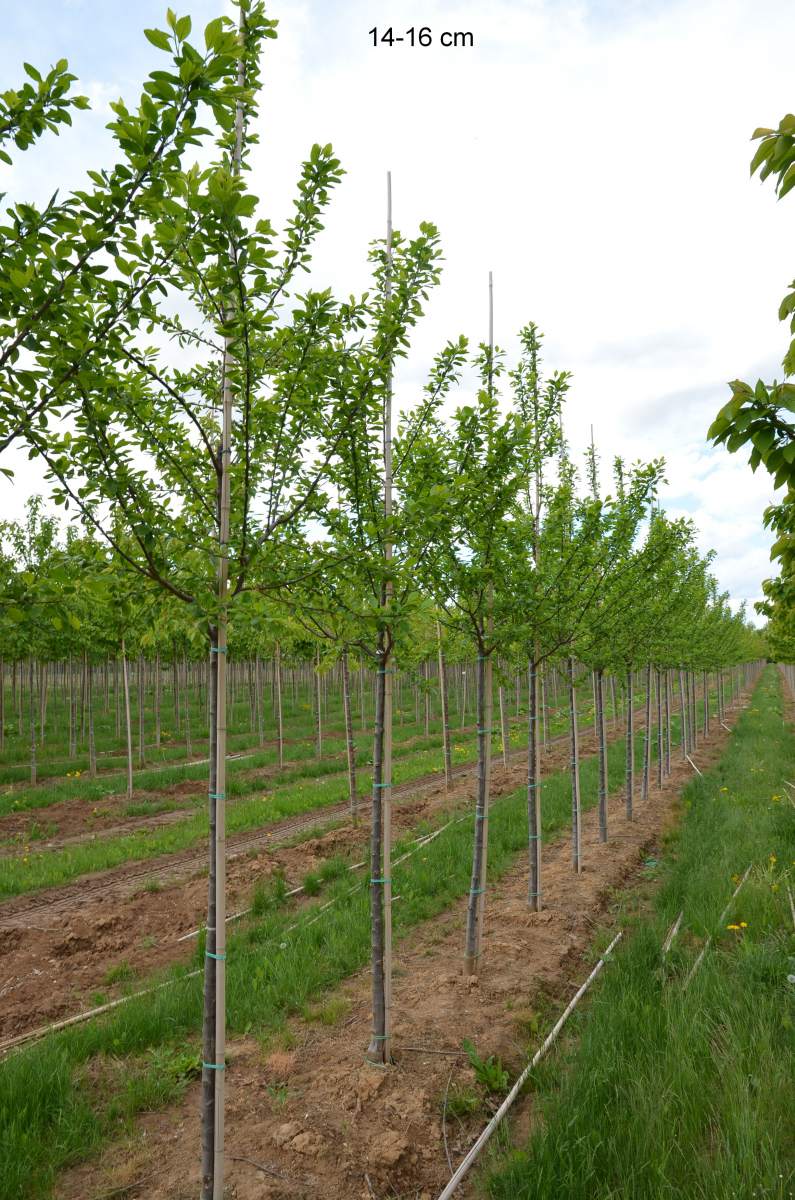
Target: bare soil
(316, 1120)
(58, 946)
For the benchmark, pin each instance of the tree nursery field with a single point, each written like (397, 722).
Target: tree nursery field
(387, 808)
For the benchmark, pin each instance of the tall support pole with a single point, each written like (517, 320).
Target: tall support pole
(381, 838)
(476, 910)
(213, 1068)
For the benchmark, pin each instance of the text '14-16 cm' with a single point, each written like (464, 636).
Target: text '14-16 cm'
(420, 37)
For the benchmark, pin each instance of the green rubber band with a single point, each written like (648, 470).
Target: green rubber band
(380, 1037)
(380, 881)
(476, 891)
(217, 795)
(533, 837)
(219, 957)
(214, 1066)
(218, 649)
(383, 785)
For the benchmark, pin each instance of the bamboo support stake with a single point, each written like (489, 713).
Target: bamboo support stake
(475, 1150)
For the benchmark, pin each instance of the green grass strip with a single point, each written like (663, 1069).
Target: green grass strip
(666, 1093)
(50, 1118)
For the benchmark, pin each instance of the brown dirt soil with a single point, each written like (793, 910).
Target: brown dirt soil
(350, 1130)
(56, 958)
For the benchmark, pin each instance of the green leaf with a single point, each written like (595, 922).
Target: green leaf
(213, 32)
(184, 26)
(158, 38)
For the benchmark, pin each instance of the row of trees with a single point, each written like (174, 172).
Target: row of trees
(225, 446)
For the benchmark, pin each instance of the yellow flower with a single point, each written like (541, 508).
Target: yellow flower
(773, 858)
(724, 789)
(732, 926)
(743, 924)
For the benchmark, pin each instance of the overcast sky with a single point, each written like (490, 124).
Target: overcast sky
(593, 155)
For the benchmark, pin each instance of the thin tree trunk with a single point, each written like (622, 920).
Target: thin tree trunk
(630, 746)
(141, 709)
(92, 749)
(668, 706)
(447, 748)
(644, 794)
(73, 710)
(533, 790)
(477, 890)
(658, 679)
(127, 720)
(32, 719)
(318, 713)
(576, 832)
(157, 699)
(260, 699)
(504, 727)
(683, 714)
(380, 1048)
(277, 682)
(209, 1006)
(186, 710)
(600, 737)
(349, 745)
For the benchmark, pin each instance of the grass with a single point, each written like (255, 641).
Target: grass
(303, 790)
(663, 1092)
(48, 1120)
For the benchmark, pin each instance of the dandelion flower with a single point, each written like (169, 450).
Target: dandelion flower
(743, 924)
(732, 926)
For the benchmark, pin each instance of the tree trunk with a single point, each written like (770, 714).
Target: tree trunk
(504, 727)
(186, 710)
(349, 746)
(630, 746)
(32, 719)
(448, 753)
(127, 720)
(157, 699)
(600, 737)
(72, 710)
(209, 1008)
(644, 793)
(141, 710)
(668, 706)
(318, 713)
(477, 890)
(260, 699)
(658, 678)
(92, 749)
(683, 714)
(277, 682)
(533, 791)
(576, 832)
